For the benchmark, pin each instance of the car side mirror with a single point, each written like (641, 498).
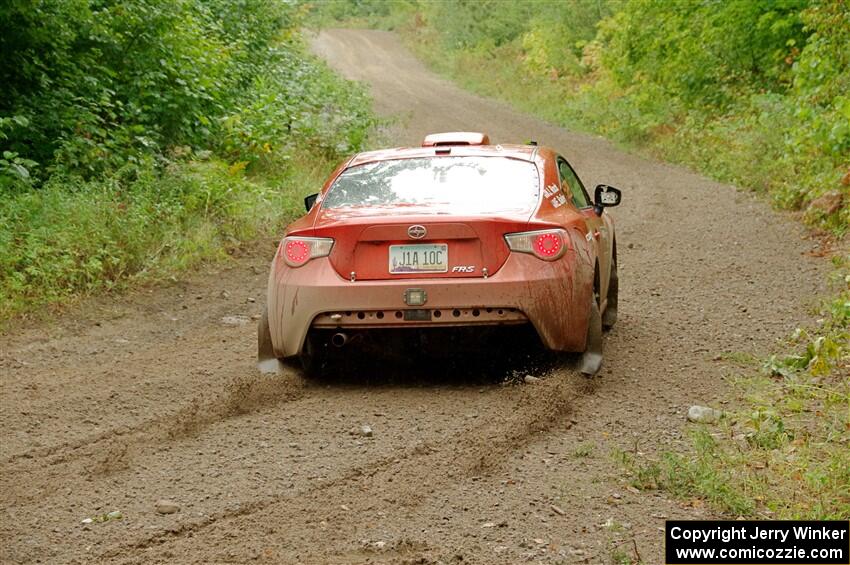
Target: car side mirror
(605, 196)
(309, 201)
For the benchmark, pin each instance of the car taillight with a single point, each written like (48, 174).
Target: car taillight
(298, 250)
(545, 244)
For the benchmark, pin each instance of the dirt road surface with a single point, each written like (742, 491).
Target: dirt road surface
(124, 401)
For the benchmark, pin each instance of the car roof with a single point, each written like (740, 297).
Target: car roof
(523, 152)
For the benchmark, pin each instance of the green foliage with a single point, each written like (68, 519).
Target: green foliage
(297, 103)
(140, 136)
(75, 236)
(784, 453)
(695, 476)
(103, 85)
(378, 14)
(477, 23)
(753, 93)
(14, 169)
(702, 53)
(825, 349)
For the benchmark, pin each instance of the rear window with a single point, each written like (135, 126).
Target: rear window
(450, 184)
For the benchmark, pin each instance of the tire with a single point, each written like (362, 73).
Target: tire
(591, 359)
(609, 317)
(312, 361)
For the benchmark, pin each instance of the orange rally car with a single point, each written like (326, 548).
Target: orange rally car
(457, 232)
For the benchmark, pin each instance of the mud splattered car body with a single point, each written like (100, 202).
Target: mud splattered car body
(456, 232)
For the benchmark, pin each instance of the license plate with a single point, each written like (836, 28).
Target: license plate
(423, 258)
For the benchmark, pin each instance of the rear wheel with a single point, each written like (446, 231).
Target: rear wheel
(312, 360)
(591, 359)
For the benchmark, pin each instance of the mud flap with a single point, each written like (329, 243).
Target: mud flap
(591, 359)
(267, 361)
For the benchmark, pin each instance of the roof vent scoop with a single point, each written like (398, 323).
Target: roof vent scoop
(456, 138)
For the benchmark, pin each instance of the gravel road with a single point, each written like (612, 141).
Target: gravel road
(123, 402)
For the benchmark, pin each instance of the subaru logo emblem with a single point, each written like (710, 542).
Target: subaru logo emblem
(416, 232)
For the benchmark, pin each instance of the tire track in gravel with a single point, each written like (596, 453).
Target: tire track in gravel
(242, 394)
(403, 479)
(107, 365)
(114, 450)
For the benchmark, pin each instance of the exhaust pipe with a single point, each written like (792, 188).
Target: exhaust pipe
(339, 339)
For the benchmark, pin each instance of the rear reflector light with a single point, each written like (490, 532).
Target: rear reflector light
(298, 250)
(545, 244)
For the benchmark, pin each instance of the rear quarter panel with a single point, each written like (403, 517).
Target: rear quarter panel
(556, 208)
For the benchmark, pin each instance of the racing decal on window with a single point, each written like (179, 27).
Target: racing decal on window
(555, 196)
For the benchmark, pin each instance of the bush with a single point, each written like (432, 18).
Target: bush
(749, 92)
(140, 136)
(74, 237)
(99, 86)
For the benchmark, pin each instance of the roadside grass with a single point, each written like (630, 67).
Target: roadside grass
(622, 546)
(583, 450)
(626, 553)
(740, 358)
(784, 453)
(72, 237)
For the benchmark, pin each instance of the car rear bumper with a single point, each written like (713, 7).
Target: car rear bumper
(553, 296)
